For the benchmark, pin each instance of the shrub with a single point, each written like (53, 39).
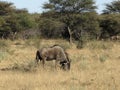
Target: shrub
(103, 58)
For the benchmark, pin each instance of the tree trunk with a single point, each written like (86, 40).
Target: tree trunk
(70, 34)
(14, 35)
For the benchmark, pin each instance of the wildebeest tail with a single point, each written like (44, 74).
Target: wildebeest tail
(38, 57)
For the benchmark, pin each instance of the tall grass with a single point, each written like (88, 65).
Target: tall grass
(3, 49)
(99, 45)
(3, 44)
(18, 70)
(33, 42)
(23, 67)
(2, 55)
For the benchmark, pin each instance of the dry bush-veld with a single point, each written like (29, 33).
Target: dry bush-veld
(95, 67)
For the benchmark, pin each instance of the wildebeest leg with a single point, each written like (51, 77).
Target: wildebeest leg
(36, 61)
(43, 62)
(56, 64)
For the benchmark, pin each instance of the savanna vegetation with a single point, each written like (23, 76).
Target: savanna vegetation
(73, 20)
(94, 67)
(90, 39)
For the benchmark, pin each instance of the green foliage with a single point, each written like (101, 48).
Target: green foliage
(70, 5)
(2, 21)
(110, 25)
(51, 28)
(13, 20)
(75, 14)
(69, 19)
(6, 8)
(87, 26)
(26, 21)
(15, 23)
(113, 7)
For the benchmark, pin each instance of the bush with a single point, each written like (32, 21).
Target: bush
(110, 25)
(103, 58)
(51, 28)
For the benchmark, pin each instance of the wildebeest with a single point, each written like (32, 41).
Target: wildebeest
(56, 53)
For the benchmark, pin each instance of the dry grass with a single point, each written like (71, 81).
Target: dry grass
(95, 67)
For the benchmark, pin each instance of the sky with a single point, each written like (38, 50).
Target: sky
(36, 5)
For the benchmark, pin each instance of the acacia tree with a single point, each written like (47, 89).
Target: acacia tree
(110, 21)
(6, 8)
(69, 11)
(13, 20)
(51, 28)
(113, 7)
(110, 25)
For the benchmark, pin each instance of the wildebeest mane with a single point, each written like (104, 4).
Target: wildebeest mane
(55, 45)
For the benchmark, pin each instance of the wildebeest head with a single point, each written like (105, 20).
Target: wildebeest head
(65, 65)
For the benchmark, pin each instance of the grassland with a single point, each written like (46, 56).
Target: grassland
(95, 67)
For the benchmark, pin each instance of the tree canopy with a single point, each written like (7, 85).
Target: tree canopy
(73, 6)
(68, 19)
(113, 7)
(73, 13)
(13, 20)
